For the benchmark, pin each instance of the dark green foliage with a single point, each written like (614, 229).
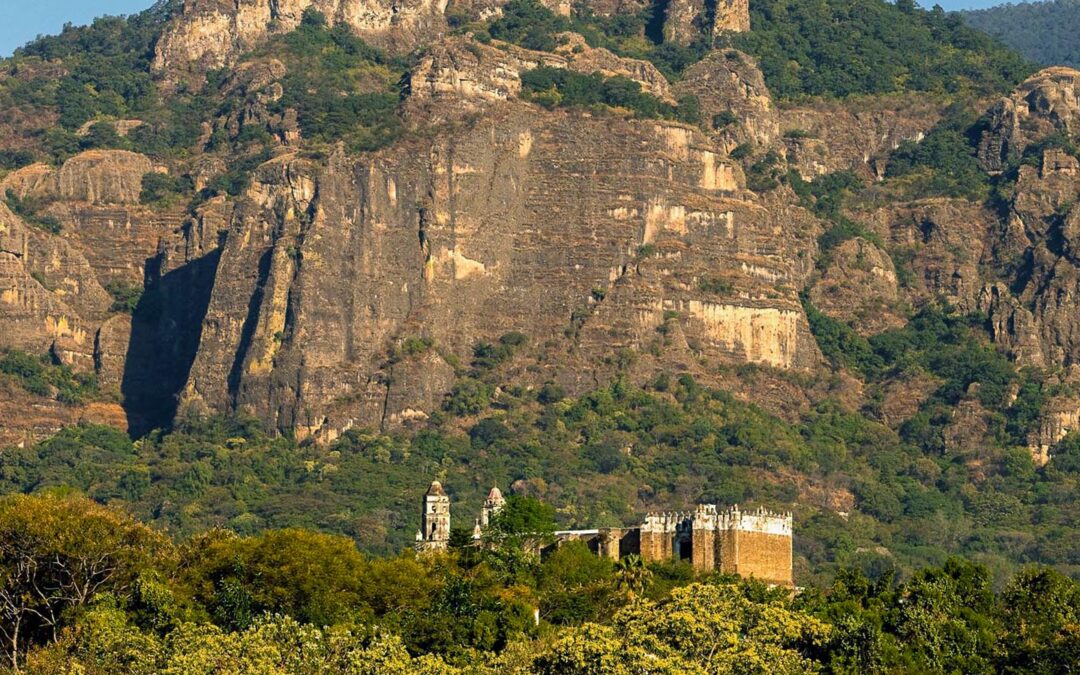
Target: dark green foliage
(102, 135)
(1044, 32)
(841, 48)
(468, 397)
(108, 66)
(717, 285)
(943, 163)
(953, 349)
(522, 522)
(160, 187)
(724, 119)
(529, 24)
(487, 356)
(327, 67)
(29, 210)
(238, 177)
(825, 196)
(840, 343)
(125, 296)
(550, 393)
(764, 174)
(15, 159)
(41, 377)
(561, 87)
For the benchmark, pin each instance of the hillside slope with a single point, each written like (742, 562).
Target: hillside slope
(617, 258)
(1044, 32)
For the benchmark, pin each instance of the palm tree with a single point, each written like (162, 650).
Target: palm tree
(632, 576)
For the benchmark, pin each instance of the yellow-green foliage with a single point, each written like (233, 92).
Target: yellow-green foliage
(703, 628)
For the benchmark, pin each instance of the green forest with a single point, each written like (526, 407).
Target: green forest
(217, 545)
(87, 589)
(1044, 32)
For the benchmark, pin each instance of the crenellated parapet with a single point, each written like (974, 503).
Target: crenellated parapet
(759, 520)
(755, 543)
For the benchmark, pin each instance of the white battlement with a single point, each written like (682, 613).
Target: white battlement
(758, 520)
(709, 517)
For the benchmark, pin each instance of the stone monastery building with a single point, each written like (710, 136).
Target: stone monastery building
(753, 543)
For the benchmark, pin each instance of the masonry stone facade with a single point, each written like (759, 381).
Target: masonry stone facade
(434, 533)
(753, 544)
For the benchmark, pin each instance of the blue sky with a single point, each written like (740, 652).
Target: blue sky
(23, 20)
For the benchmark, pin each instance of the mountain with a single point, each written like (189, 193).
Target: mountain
(624, 257)
(1041, 31)
(269, 268)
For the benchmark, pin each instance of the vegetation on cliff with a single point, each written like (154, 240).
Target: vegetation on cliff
(270, 568)
(599, 457)
(1044, 32)
(38, 375)
(813, 48)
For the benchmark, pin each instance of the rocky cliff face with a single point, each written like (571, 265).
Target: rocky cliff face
(212, 33)
(618, 246)
(590, 234)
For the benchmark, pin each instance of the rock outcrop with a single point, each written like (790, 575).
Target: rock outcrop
(212, 33)
(458, 76)
(733, 98)
(596, 232)
(859, 287)
(1046, 103)
(826, 136)
(687, 20)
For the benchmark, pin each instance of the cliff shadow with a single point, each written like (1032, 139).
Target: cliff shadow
(166, 328)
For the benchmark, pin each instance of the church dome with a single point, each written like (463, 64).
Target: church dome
(436, 489)
(495, 495)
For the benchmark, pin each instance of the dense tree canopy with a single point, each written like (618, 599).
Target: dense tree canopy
(85, 589)
(1044, 32)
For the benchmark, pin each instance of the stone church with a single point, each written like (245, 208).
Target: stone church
(754, 543)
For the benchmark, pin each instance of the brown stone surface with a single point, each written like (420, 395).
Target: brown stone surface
(859, 286)
(26, 419)
(855, 135)
(757, 555)
(1044, 104)
(457, 75)
(729, 81)
(509, 226)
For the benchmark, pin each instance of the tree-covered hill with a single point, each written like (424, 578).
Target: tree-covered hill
(1045, 32)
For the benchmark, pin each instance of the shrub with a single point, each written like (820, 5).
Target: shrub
(468, 397)
(125, 296)
(159, 187)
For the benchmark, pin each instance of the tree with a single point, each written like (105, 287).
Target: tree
(702, 628)
(523, 523)
(1040, 617)
(632, 576)
(56, 555)
(574, 584)
(315, 578)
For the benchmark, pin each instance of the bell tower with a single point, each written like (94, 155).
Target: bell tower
(492, 505)
(434, 533)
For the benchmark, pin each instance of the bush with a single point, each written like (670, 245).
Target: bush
(125, 296)
(843, 48)
(468, 397)
(39, 376)
(160, 187)
(724, 119)
(944, 163)
(28, 209)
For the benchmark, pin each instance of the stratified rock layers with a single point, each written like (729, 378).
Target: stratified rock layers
(593, 231)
